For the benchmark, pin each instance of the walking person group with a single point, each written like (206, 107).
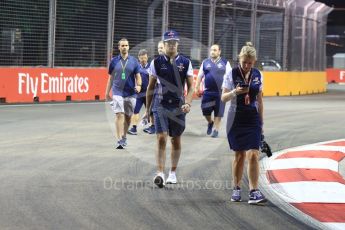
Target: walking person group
(160, 86)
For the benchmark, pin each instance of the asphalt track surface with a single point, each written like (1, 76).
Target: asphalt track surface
(59, 168)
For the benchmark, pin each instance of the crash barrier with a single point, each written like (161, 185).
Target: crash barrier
(27, 85)
(294, 83)
(335, 75)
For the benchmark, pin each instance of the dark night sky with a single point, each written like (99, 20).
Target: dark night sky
(335, 29)
(337, 16)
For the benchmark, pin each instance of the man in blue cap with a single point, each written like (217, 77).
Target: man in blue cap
(170, 71)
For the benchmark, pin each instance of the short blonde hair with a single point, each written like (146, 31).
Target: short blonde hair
(248, 51)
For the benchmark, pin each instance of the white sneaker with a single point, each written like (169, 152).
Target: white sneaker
(119, 145)
(159, 180)
(172, 178)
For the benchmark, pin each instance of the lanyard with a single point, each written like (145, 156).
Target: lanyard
(247, 98)
(250, 76)
(123, 75)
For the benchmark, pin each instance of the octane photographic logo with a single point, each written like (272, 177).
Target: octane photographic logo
(196, 145)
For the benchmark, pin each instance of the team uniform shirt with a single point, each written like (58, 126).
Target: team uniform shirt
(168, 93)
(244, 125)
(141, 97)
(144, 72)
(213, 72)
(123, 72)
(169, 97)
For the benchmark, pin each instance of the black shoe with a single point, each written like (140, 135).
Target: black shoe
(159, 180)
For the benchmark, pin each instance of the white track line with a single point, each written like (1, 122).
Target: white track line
(313, 163)
(320, 147)
(307, 191)
(335, 226)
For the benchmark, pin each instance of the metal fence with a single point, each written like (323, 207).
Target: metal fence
(81, 33)
(288, 34)
(24, 32)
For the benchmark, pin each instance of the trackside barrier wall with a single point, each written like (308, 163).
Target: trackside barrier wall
(294, 83)
(23, 85)
(335, 75)
(27, 85)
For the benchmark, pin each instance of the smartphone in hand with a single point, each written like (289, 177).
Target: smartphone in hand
(244, 85)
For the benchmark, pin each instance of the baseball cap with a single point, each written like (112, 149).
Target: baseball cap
(170, 35)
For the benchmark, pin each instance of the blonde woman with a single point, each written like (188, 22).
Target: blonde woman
(243, 87)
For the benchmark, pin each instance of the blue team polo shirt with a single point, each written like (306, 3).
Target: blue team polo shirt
(168, 93)
(214, 73)
(144, 77)
(124, 87)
